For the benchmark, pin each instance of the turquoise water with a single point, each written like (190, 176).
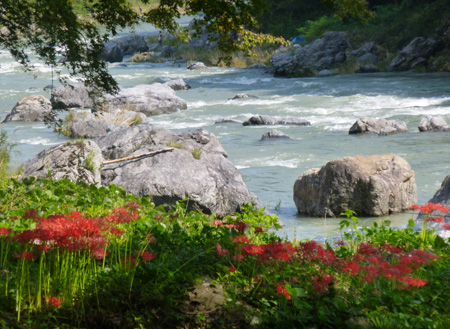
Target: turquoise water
(271, 167)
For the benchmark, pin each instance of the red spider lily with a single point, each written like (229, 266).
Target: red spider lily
(217, 222)
(340, 243)
(413, 282)
(221, 252)
(350, 267)
(367, 279)
(435, 219)
(99, 253)
(241, 239)
(392, 249)
(239, 226)
(43, 247)
(259, 230)
(146, 255)
(4, 231)
(321, 284)
(377, 259)
(129, 261)
(238, 258)
(27, 255)
(446, 227)
(429, 208)
(424, 255)
(367, 249)
(121, 215)
(54, 302)
(281, 290)
(133, 205)
(231, 268)
(358, 258)
(30, 214)
(371, 271)
(253, 249)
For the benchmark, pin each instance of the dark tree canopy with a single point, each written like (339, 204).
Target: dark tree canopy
(52, 29)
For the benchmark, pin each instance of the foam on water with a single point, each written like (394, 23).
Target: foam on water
(38, 141)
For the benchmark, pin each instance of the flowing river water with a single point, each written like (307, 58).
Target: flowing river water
(270, 167)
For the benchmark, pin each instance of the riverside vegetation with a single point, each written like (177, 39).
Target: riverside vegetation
(73, 255)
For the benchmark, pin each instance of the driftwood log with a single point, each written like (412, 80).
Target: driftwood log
(137, 156)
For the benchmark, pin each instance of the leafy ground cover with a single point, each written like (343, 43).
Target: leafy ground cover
(73, 255)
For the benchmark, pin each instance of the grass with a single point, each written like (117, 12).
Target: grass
(99, 257)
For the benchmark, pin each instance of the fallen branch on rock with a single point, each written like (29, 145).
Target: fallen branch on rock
(137, 156)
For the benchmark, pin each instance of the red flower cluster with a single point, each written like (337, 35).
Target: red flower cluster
(281, 290)
(4, 231)
(74, 231)
(429, 208)
(322, 283)
(146, 255)
(54, 302)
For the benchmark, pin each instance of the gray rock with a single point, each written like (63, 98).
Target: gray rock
(417, 52)
(239, 96)
(112, 52)
(369, 68)
(197, 66)
(30, 108)
(88, 125)
(321, 54)
(197, 168)
(177, 84)
(148, 99)
(326, 73)
(381, 127)
(367, 59)
(257, 66)
(374, 185)
(369, 47)
(433, 123)
(67, 96)
(132, 44)
(442, 196)
(267, 120)
(226, 121)
(274, 134)
(76, 161)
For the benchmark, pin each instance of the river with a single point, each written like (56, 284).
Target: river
(270, 167)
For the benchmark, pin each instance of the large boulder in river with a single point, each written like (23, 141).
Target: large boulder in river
(374, 185)
(195, 167)
(132, 44)
(112, 52)
(442, 196)
(148, 99)
(67, 96)
(416, 53)
(322, 54)
(79, 160)
(268, 120)
(380, 127)
(177, 84)
(433, 123)
(30, 108)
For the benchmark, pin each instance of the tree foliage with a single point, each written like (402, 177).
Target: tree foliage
(53, 30)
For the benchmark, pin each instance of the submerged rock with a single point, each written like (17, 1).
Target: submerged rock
(197, 66)
(30, 108)
(433, 123)
(374, 185)
(240, 96)
(381, 127)
(177, 84)
(268, 120)
(274, 134)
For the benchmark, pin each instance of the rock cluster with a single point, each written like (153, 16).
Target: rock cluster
(191, 164)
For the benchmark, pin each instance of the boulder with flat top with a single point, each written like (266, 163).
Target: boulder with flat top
(375, 185)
